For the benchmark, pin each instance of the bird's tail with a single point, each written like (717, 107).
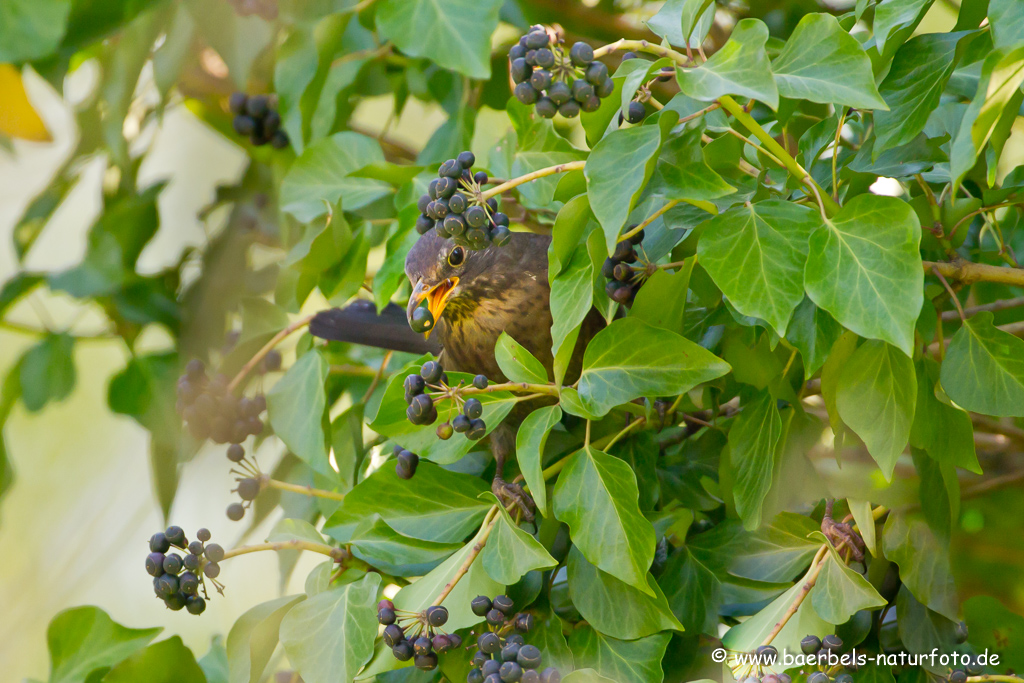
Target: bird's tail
(359, 323)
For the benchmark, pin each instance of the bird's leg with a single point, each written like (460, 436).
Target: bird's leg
(509, 493)
(841, 534)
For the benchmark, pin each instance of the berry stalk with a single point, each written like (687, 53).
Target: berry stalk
(336, 554)
(267, 348)
(481, 541)
(301, 490)
(643, 46)
(539, 173)
(650, 219)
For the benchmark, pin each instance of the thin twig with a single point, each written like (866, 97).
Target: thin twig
(486, 527)
(952, 294)
(267, 348)
(1001, 305)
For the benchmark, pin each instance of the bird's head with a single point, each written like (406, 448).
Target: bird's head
(444, 275)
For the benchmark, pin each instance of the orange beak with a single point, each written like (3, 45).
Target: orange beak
(436, 297)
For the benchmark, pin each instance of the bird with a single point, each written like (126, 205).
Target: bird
(473, 296)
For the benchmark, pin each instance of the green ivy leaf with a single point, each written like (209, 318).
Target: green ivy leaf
(920, 629)
(572, 296)
(998, 89)
(1006, 17)
(774, 553)
(322, 175)
(296, 406)
(661, 302)
(517, 363)
(841, 592)
(329, 637)
(511, 552)
(940, 428)
(538, 145)
(895, 16)
(168, 661)
(919, 73)
(636, 661)
(683, 22)
(379, 545)
(586, 676)
(813, 332)
(984, 369)
(876, 397)
(435, 505)
(753, 439)
(864, 267)
(682, 173)
(629, 359)
(924, 564)
(48, 371)
(456, 34)
(530, 440)
(420, 594)
(616, 172)
(823, 63)
(84, 639)
(615, 608)
(740, 67)
(756, 255)
(596, 496)
(31, 29)
(693, 592)
(254, 636)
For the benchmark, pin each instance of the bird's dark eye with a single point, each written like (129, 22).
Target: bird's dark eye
(456, 257)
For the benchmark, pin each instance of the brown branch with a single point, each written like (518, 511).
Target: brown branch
(1003, 305)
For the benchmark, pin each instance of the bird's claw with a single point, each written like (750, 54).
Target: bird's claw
(842, 534)
(512, 494)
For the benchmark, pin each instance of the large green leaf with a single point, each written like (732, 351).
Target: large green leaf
(84, 639)
(530, 440)
(616, 172)
(254, 637)
(31, 29)
(629, 359)
(894, 16)
(420, 594)
(693, 592)
(517, 363)
(614, 608)
(48, 371)
(864, 267)
(322, 175)
(683, 22)
(378, 544)
(923, 562)
(740, 67)
(941, 429)
(456, 34)
(296, 408)
(998, 88)
(572, 296)
(756, 254)
(682, 173)
(753, 439)
(596, 496)
(329, 637)
(823, 63)
(1006, 17)
(876, 397)
(661, 302)
(435, 505)
(624, 661)
(538, 146)
(511, 552)
(841, 592)
(919, 73)
(774, 553)
(168, 661)
(984, 369)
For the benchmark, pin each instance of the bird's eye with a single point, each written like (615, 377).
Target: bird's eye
(456, 257)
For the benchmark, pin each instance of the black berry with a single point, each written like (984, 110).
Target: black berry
(473, 408)
(481, 605)
(437, 615)
(158, 543)
(236, 511)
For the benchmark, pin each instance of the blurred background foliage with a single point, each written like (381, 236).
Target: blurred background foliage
(137, 230)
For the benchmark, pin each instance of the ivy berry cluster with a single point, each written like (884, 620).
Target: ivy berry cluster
(454, 206)
(554, 81)
(256, 117)
(416, 635)
(423, 411)
(503, 655)
(624, 278)
(178, 580)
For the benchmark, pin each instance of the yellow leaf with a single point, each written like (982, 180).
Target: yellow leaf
(18, 119)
